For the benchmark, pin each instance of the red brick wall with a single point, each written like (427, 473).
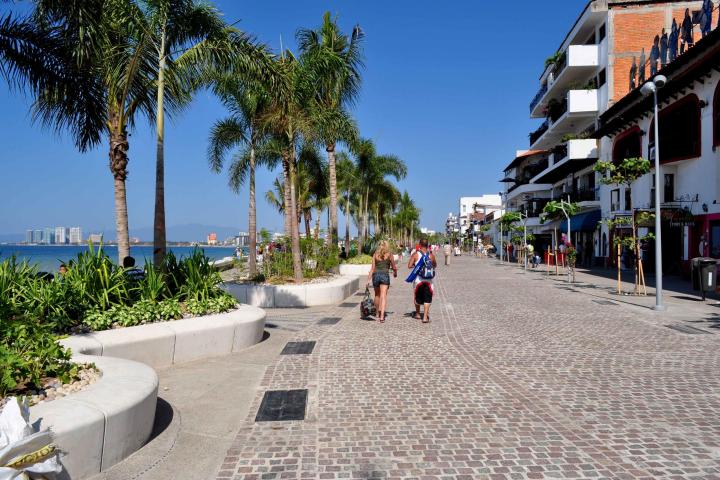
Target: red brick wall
(635, 27)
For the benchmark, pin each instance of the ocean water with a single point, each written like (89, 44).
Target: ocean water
(49, 257)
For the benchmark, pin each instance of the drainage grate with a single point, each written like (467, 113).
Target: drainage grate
(282, 405)
(348, 305)
(605, 302)
(298, 348)
(687, 329)
(329, 321)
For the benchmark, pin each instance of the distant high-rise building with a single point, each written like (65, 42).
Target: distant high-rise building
(37, 236)
(242, 239)
(212, 239)
(48, 236)
(95, 238)
(61, 235)
(29, 236)
(75, 235)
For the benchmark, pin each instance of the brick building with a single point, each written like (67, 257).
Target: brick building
(591, 70)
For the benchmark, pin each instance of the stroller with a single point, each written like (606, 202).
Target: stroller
(367, 306)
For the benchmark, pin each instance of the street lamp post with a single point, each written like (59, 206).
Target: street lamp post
(649, 87)
(569, 237)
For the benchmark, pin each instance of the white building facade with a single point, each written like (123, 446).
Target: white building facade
(689, 126)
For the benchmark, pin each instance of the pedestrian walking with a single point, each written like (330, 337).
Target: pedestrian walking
(447, 251)
(379, 275)
(423, 264)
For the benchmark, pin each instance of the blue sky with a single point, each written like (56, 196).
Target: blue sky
(446, 88)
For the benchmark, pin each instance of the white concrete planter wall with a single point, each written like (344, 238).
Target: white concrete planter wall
(354, 270)
(105, 423)
(111, 419)
(290, 296)
(165, 343)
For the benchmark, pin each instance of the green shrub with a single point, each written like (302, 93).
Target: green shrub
(30, 352)
(360, 260)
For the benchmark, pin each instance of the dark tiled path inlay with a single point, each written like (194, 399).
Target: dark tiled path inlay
(329, 321)
(298, 348)
(348, 305)
(688, 329)
(605, 302)
(282, 405)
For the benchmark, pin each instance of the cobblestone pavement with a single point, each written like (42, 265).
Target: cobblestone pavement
(514, 378)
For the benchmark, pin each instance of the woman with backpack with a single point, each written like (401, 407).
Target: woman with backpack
(382, 263)
(423, 264)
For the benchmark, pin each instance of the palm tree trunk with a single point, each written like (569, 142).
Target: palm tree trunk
(332, 237)
(316, 233)
(159, 232)
(294, 230)
(308, 229)
(347, 224)
(287, 210)
(118, 167)
(252, 213)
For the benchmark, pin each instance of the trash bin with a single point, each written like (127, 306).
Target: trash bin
(704, 272)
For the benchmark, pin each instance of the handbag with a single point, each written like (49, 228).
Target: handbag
(367, 306)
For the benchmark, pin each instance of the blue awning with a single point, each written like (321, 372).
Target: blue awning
(582, 222)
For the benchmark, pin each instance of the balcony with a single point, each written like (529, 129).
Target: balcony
(577, 65)
(568, 158)
(526, 187)
(534, 136)
(574, 114)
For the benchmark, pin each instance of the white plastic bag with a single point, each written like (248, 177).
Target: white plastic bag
(24, 453)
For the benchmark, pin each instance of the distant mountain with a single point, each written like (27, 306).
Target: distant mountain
(12, 237)
(192, 232)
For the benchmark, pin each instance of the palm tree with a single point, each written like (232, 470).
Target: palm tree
(407, 217)
(311, 183)
(335, 60)
(348, 185)
(190, 39)
(247, 105)
(287, 119)
(111, 43)
(372, 172)
(33, 56)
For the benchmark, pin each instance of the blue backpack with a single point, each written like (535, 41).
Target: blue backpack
(427, 271)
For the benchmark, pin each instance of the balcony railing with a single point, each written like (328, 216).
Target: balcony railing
(538, 96)
(560, 152)
(534, 136)
(584, 195)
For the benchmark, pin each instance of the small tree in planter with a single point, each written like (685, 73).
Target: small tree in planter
(557, 210)
(625, 173)
(506, 222)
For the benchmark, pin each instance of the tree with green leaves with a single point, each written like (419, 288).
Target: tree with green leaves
(348, 185)
(373, 170)
(112, 44)
(334, 60)
(192, 43)
(243, 128)
(625, 173)
(288, 121)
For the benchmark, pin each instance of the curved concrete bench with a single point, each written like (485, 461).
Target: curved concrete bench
(355, 270)
(288, 296)
(165, 343)
(103, 424)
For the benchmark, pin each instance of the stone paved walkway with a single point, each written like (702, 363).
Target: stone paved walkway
(514, 378)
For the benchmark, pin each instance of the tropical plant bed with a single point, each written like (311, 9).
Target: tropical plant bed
(52, 388)
(92, 294)
(328, 277)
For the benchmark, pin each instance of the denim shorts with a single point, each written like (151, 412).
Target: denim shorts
(381, 278)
